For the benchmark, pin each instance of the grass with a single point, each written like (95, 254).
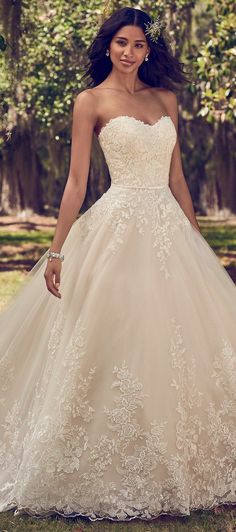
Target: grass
(222, 238)
(200, 521)
(20, 237)
(22, 249)
(9, 282)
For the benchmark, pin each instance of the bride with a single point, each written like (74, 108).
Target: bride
(118, 394)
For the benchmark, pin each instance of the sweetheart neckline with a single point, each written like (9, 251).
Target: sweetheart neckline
(135, 119)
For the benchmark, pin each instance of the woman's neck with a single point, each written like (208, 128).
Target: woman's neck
(125, 83)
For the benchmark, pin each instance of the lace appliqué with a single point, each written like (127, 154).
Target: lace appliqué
(117, 465)
(225, 368)
(138, 156)
(206, 440)
(65, 425)
(155, 211)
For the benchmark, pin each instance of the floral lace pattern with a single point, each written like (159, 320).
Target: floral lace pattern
(128, 468)
(138, 154)
(139, 192)
(152, 211)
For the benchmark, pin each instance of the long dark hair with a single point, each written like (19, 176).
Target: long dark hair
(162, 69)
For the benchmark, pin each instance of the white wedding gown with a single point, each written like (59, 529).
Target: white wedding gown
(119, 400)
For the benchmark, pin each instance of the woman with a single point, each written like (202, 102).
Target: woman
(118, 396)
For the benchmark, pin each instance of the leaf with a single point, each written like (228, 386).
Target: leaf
(204, 111)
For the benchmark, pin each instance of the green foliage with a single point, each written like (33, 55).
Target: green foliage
(53, 41)
(215, 63)
(51, 68)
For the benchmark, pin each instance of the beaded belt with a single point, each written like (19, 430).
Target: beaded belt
(138, 186)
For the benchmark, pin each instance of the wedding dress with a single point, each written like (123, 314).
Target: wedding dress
(119, 400)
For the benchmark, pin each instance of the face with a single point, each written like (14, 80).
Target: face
(128, 48)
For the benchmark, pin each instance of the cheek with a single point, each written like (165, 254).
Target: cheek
(116, 50)
(140, 54)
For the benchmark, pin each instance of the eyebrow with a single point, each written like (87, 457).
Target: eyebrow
(136, 40)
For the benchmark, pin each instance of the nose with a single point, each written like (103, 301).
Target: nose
(128, 51)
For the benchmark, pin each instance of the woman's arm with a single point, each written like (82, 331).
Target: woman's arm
(178, 185)
(84, 120)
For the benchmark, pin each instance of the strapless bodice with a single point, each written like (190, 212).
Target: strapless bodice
(138, 154)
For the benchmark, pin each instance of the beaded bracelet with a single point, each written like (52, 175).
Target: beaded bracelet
(53, 255)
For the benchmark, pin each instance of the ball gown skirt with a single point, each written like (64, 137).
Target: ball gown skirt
(118, 401)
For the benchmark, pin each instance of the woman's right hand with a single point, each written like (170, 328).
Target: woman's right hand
(52, 276)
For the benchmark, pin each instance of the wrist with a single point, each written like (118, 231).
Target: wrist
(55, 249)
(54, 255)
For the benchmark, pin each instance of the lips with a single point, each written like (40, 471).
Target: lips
(126, 62)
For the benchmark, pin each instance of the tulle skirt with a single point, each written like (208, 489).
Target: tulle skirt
(119, 400)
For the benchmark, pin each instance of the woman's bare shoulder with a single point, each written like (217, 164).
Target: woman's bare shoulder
(90, 97)
(166, 94)
(86, 96)
(85, 103)
(169, 101)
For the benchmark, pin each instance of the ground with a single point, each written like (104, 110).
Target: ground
(218, 520)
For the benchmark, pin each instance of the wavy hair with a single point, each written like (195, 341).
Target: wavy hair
(162, 69)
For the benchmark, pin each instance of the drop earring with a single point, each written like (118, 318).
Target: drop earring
(107, 53)
(146, 57)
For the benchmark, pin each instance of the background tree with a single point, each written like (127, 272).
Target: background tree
(215, 70)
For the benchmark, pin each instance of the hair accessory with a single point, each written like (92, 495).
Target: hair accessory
(53, 255)
(154, 28)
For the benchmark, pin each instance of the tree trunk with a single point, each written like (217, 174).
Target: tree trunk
(20, 171)
(224, 167)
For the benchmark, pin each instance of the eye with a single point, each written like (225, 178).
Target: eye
(121, 42)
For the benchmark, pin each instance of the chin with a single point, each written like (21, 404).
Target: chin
(132, 67)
